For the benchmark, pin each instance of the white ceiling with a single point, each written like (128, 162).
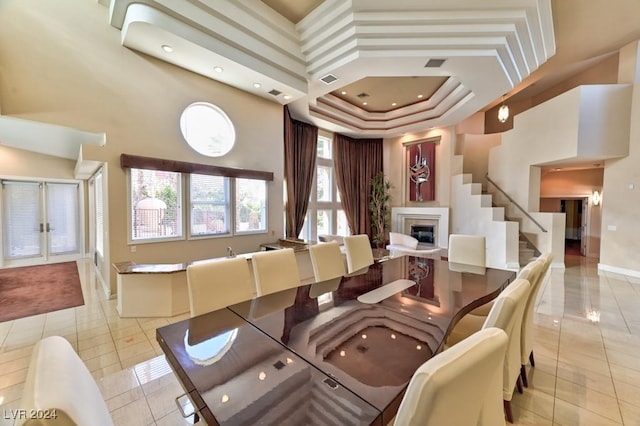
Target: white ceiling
(488, 48)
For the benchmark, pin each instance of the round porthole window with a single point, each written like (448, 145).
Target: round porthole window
(207, 129)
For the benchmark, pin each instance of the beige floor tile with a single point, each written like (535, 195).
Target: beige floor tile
(95, 351)
(125, 398)
(13, 378)
(138, 358)
(589, 399)
(11, 393)
(584, 361)
(152, 369)
(15, 365)
(162, 402)
(174, 418)
(630, 414)
(95, 340)
(583, 377)
(522, 417)
(136, 413)
(567, 414)
(535, 401)
(103, 361)
(628, 393)
(129, 340)
(135, 350)
(624, 360)
(541, 381)
(118, 383)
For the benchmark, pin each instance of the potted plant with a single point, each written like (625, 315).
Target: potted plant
(379, 206)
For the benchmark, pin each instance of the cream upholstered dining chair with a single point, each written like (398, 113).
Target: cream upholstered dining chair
(517, 292)
(327, 261)
(359, 253)
(542, 264)
(467, 249)
(219, 283)
(460, 386)
(275, 270)
(529, 273)
(59, 383)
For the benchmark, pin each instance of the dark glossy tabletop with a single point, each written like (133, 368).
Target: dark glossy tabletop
(230, 368)
(370, 349)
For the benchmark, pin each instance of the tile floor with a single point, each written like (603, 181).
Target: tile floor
(587, 337)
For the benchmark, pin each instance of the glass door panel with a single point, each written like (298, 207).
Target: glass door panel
(62, 218)
(22, 213)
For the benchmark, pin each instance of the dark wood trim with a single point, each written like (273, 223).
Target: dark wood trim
(149, 163)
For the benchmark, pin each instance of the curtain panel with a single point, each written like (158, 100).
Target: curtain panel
(300, 146)
(356, 162)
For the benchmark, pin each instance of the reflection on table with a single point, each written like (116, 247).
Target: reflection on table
(228, 360)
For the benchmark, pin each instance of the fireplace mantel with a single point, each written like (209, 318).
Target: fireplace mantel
(400, 216)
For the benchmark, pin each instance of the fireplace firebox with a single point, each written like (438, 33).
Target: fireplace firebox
(423, 233)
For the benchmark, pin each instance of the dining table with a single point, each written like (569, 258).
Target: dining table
(339, 352)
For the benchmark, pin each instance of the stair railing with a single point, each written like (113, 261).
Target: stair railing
(514, 202)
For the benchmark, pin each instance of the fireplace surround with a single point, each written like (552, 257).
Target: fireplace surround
(403, 218)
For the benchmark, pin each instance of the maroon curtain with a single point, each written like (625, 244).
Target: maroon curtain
(300, 146)
(356, 162)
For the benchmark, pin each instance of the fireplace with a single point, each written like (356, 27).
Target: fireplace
(429, 225)
(425, 234)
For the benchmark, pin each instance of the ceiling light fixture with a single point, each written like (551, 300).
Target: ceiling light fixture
(218, 69)
(257, 85)
(364, 103)
(420, 96)
(394, 103)
(167, 48)
(287, 97)
(503, 111)
(343, 92)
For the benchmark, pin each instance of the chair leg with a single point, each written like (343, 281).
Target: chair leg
(531, 360)
(519, 385)
(523, 376)
(507, 410)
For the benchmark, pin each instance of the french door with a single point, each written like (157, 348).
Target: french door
(41, 222)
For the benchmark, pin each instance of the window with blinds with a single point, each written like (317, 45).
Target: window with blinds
(62, 218)
(209, 198)
(251, 205)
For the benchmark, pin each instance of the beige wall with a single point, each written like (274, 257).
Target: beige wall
(620, 203)
(475, 149)
(62, 63)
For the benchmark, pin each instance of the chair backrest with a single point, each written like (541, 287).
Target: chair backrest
(327, 261)
(526, 336)
(470, 373)
(275, 270)
(59, 382)
(468, 249)
(506, 314)
(219, 283)
(358, 251)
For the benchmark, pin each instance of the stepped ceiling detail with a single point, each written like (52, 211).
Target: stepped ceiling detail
(457, 55)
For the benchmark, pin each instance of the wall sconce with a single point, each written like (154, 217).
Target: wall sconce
(596, 198)
(503, 113)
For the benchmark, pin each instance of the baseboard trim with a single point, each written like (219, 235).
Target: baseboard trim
(621, 271)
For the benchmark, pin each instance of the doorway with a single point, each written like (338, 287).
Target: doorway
(575, 226)
(41, 222)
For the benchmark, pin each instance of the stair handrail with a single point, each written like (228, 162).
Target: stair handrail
(514, 202)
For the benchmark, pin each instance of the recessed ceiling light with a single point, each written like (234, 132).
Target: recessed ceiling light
(394, 104)
(257, 85)
(167, 48)
(343, 92)
(558, 168)
(364, 103)
(420, 96)
(218, 69)
(287, 96)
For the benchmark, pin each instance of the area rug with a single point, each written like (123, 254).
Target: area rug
(33, 290)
